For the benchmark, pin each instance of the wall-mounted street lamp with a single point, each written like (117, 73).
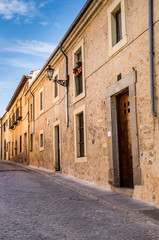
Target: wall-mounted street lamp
(50, 73)
(64, 83)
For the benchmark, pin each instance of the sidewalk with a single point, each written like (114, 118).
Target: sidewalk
(139, 209)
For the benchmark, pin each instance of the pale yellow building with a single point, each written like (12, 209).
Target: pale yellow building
(103, 127)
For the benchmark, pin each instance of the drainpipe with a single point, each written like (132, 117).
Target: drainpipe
(67, 77)
(154, 113)
(33, 110)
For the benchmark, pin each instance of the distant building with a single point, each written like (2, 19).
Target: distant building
(102, 128)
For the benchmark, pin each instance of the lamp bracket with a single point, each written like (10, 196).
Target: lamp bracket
(63, 83)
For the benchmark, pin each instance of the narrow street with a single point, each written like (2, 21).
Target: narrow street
(36, 204)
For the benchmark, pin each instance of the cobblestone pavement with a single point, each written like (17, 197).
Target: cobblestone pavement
(35, 205)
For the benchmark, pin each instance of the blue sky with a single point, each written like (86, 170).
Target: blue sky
(29, 32)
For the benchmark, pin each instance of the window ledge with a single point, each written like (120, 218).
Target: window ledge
(41, 149)
(81, 160)
(56, 99)
(118, 46)
(40, 112)
(79, 97)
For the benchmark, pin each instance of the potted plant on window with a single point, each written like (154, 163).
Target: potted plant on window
(78, 68)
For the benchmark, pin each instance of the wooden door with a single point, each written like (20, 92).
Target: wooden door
(9, 151)
(57, 148)
(124, 141)
(25, 146)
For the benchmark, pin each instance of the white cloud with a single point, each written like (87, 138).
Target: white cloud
(57, 25)
(11, 8)
(44, 23)
(34, 47)
(3, 86)
(43, 3)
(20, 63)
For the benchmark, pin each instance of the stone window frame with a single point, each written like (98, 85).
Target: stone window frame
(124, 40)
(127, 83)
(41, 91)
(56, 74)
(76, 112)
(41, 133)
(80, 45)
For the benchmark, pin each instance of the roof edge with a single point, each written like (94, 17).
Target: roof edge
(18, 89)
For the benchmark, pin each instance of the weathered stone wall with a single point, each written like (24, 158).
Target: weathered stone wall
(100, 73)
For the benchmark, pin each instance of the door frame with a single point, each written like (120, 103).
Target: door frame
(55, 124)
(127, 83)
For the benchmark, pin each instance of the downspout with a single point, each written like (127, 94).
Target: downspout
(67, 77)
(33, 111)
(154, 113)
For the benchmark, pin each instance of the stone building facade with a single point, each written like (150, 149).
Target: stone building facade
(100, 128)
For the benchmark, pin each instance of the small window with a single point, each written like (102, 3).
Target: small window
(80, 135)
(116, 26)
(41, 140)
(55, 88)
(31, 112)
(41, 101)
(4, 127)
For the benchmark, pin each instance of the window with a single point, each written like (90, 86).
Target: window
(31, 112)
(4, 127)
(80, 135)
(41, 101)
(41, 140)
(56, 87)
(116, 26)
(20, 144)
(31, 142)
(78, 72)
(78, 78)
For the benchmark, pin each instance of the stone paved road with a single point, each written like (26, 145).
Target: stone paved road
(33, 206)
